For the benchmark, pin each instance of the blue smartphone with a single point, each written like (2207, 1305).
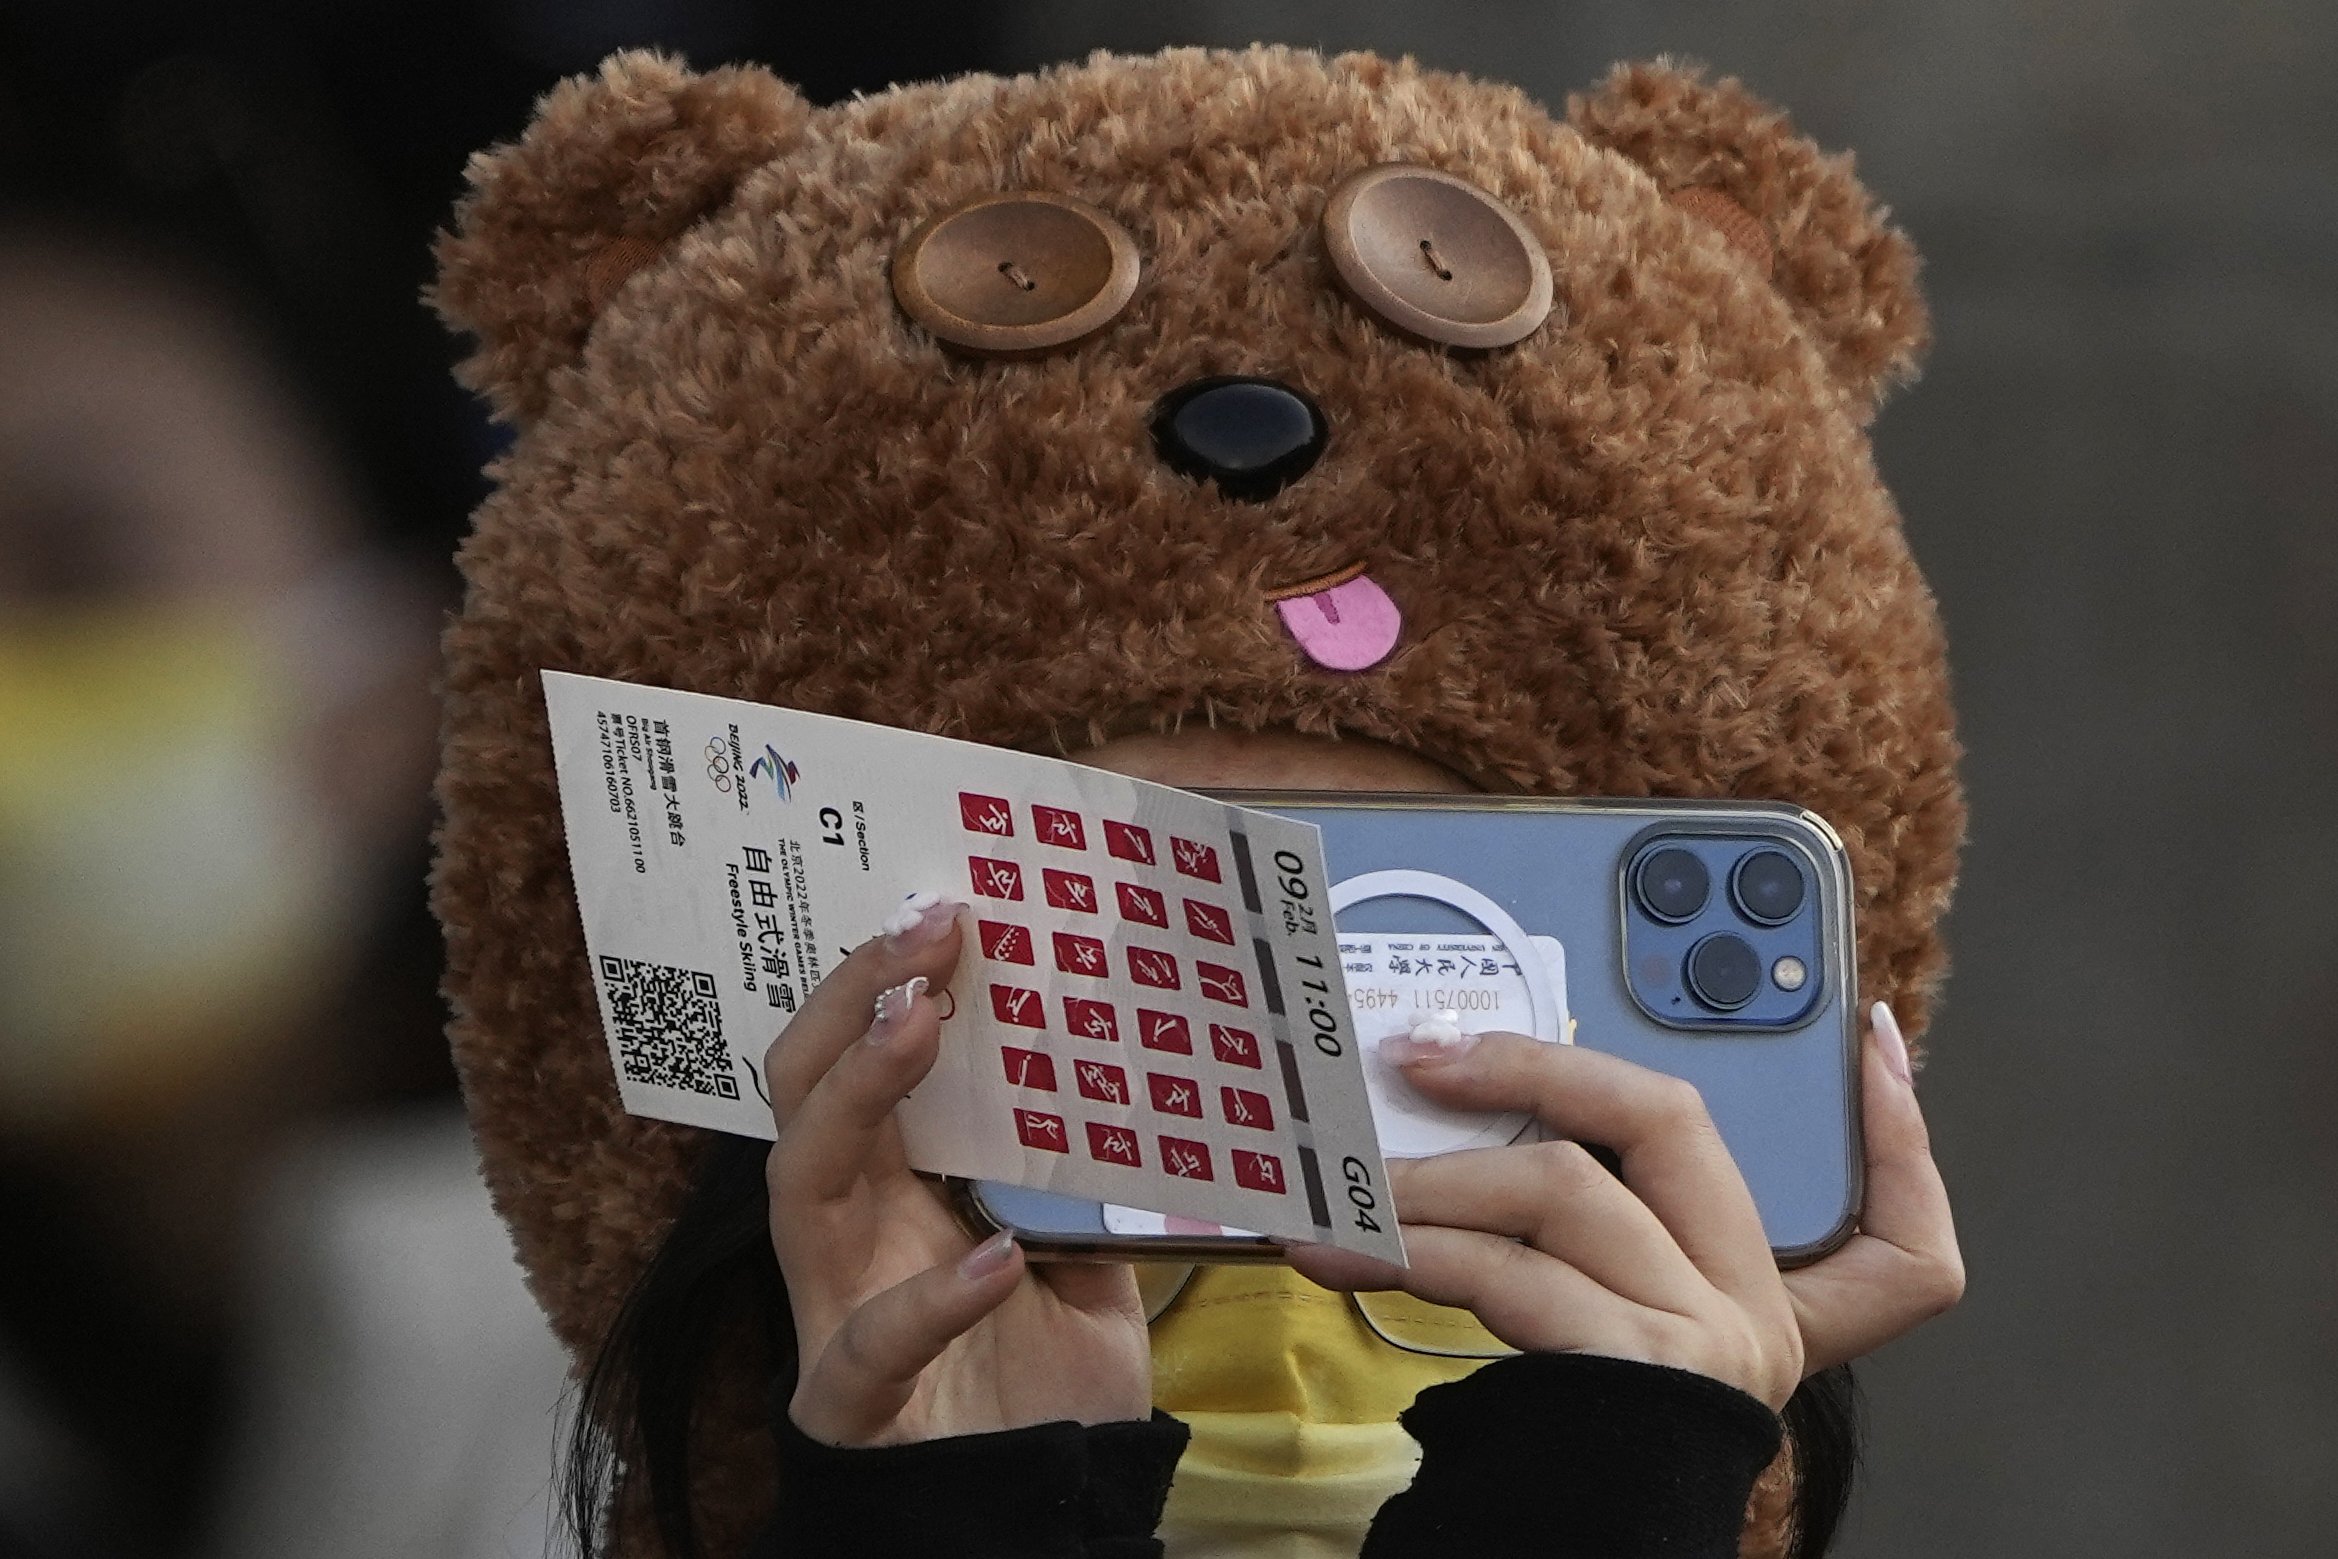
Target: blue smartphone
(1711, 940)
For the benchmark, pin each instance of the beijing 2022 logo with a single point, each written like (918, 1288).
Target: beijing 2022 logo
(782, 774)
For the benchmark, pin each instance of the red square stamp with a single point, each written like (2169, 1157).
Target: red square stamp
(1143, 905)
(986, 814)
(1186, 1159)
(1244, 1108)
(1209, 922)
(1004, 943)
(1069, 890)
(1029, 1068)
(1055, 826)
(1164, 1031)
(1101, 1081)
(1127, 842)
(1259, 1171)
(1221, 984)
(1235, 1047)
(1038, 1129)
(1174, 1095)
(1113, 1145)
(1091, 1019)
(1022, 1008)
(995, 879)
(1156, 969)
(1193, 858)
(1075, 954)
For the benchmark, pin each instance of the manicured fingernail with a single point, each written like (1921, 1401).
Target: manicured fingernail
(1893, 1044)
(922, 920)
(893, 1009)
(987, 1257)
(1432, 1039)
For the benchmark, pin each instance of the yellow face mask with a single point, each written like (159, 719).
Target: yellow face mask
(166, 884)
(1292, 1394)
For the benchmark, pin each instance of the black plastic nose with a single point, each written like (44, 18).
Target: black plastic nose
(1253, 437)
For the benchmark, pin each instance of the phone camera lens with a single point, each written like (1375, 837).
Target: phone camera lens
(1724, 971)
(1768, 887)
(1672, 885)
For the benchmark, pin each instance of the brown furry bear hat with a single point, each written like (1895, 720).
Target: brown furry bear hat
(1641, 550)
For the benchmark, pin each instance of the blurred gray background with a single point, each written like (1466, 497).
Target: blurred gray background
(2117, 471)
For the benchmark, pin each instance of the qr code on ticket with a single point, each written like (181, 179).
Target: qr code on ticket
(668, 1025)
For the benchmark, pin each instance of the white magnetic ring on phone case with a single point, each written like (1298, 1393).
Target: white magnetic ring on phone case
(1409, 1125)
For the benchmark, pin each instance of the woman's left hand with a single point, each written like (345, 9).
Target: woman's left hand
(1668, 1264)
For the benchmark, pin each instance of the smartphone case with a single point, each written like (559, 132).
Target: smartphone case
(1785, 1098)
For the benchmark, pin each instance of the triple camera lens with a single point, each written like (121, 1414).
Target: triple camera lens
(1722, 947)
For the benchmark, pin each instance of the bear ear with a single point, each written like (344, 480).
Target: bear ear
(613, 167)
(1733, 162)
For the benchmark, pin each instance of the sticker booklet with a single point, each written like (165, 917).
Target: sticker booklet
(1149, 1008)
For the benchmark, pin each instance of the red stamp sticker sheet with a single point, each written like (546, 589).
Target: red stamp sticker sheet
(1148, 984)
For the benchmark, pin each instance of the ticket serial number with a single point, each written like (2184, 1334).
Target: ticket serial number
(1419, 999)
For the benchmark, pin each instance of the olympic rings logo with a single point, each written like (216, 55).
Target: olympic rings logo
(718, 764)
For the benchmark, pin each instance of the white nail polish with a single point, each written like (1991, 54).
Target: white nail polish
(1442, 1030)
(1433, 1039)
(1893, 1045)
(912, 911)
(893, 1008)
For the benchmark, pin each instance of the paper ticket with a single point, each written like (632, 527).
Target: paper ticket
(1149, 1008)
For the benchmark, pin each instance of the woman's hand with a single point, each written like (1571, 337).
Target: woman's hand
(1902, 1268)
(906, 1329)
(1668, 1264)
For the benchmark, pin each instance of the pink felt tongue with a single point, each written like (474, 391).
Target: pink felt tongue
(1345, 628)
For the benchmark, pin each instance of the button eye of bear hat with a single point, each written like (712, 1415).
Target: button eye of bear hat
(1436, 257)
(1011, 274)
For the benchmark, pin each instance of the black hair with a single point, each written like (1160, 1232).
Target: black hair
(637, 1404)
(1823, 1425)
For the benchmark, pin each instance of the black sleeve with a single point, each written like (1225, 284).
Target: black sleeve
(1572, 1456)
(1051, 1491)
